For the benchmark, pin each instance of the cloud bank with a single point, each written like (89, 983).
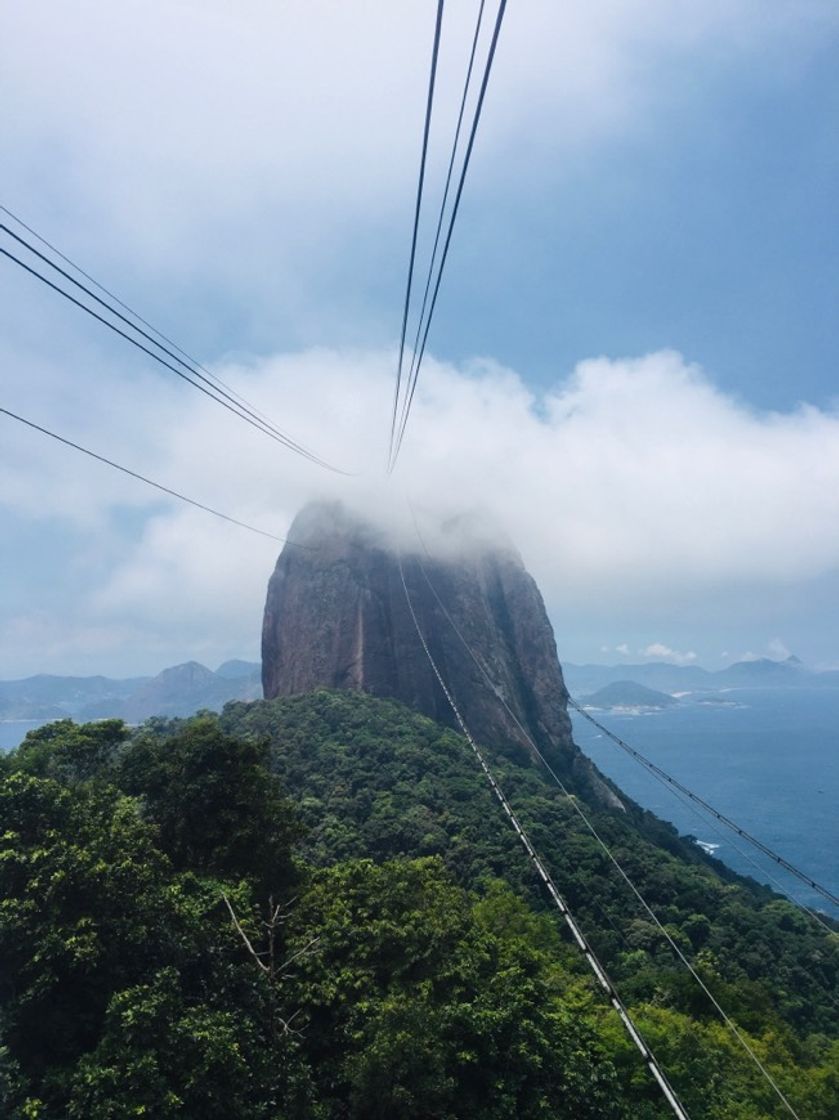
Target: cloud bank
(632, 481)
(231, 150)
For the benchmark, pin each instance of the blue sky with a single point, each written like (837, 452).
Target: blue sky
(654, 185)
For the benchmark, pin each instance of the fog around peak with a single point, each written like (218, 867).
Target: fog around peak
(635, 490)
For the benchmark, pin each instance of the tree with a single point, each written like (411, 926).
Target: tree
(417, 1009)
(122, 978)
(83, 909)
(217, 808)
(163, 1054)
(70, 752)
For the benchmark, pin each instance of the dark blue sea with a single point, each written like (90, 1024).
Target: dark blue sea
(12, 731)
(768, 758)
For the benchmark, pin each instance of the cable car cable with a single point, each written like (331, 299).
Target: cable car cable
(426, 130)
(142, 478)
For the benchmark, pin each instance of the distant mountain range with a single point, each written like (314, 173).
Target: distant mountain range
(185, 689)
(179, 691)
(761, 672)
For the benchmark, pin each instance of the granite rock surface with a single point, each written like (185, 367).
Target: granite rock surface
(337, 616)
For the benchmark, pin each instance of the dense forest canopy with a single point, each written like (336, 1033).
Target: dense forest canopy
(312, 908)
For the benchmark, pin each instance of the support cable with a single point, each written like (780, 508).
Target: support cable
(141, 477)
(243, 412)
(573, 801)
(595, 965)
(447, 187)
(763, 872)
(134, 314)
(291, 444)
(682, 793)
(663, 776)
(409, 396)
(426, 129)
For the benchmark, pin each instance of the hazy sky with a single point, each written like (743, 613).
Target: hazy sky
(634, 363)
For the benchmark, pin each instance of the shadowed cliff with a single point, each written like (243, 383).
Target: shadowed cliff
(336, 616)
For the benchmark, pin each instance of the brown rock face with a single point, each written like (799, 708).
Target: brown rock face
(336, 616)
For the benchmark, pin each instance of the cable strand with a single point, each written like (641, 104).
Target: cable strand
(584, 946)
(135, 314)
(231, 406)
(742, 832)
(447, 187)
(426, 130)
(573, 801)
(141, 477)
(455, 207)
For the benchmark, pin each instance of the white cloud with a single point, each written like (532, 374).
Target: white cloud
(622, 649)
(631, 481)
(776, 649)
(265, 132)
(661, 652)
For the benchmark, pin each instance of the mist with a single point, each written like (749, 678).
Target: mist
(634, 490)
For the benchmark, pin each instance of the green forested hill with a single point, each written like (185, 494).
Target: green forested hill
(313, 908)
(373, 778)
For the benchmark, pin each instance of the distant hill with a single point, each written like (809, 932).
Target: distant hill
(628, 694)
(180, 690)
(51, 697)
(237, 670)
(760, 672)
(765, 669)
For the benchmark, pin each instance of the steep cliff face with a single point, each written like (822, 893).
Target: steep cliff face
(337, 616)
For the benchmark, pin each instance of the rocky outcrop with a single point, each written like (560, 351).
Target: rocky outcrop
(337, 616)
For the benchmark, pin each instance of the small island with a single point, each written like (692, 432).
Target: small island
(628, 696)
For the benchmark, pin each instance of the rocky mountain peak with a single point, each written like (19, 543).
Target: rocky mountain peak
(337, 616)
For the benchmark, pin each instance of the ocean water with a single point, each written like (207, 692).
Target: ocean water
(12, 731)
(767, 758)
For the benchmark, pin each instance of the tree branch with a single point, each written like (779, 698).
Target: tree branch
(245, 937)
